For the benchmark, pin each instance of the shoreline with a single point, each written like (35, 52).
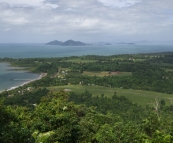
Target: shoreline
(9, 67)
(25, 83)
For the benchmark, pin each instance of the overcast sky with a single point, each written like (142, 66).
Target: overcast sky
(85, 20)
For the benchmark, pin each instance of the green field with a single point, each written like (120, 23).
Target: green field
(95, 73)
(79, 60)
(163, 64)
(140, 60)
(106, 73)
(168, 70)
(136, 96)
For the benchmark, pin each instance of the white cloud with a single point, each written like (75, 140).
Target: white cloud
(126, 18)
(119, 3)
(23, 2)
(28, 3)
(15, 17)
(16, 21)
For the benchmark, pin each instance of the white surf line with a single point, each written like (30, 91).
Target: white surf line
(27, 82)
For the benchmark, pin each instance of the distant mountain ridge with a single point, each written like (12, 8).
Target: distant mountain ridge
(66, 43)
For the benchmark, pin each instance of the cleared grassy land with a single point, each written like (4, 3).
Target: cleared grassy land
(95, 73)
(105, 73)
(78, 60)
(168, 70)
(124, 74)
(162, 64)
(140, 60)
(129, 59)
(136, 96)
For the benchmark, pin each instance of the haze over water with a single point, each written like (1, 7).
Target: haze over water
(41, 50)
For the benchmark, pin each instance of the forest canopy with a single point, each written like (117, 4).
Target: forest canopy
(42, 112)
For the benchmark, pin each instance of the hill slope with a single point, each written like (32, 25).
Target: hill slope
(73, 43)
(55, 42)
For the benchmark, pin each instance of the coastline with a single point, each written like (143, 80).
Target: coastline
(8, 69)
(25, 83)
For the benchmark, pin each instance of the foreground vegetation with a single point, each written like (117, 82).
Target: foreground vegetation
(55, 119)
(94, 99)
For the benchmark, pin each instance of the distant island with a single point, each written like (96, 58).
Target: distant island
(125, 43)
(108, 44)
(55, 42)
(66, 43)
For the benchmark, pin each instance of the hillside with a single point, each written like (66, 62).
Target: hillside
(55, 42)
(96, 99)
(73, 43)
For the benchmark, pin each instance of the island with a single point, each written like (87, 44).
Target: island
(55, 42)
(66, 43)
(108, 44)
(126, 43)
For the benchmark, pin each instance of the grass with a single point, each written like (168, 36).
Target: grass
(130, 59)
(136, 96)
(105, 73)
(63, 69)
(79, 60)
(140, 60)
(163, 64)
(124, 74)
(95, 73)
(168, 70)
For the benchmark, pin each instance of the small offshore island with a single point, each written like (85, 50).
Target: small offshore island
(91, 98)
(67, 43)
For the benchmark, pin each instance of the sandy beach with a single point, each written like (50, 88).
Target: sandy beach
(14, 77)
(14, 87)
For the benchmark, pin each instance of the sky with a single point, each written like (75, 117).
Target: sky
(41, 21)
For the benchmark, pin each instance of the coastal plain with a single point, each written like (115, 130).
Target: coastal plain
(91, 91)
(76, 64)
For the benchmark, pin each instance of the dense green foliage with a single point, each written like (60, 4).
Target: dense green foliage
(26, 98)
(117, 105)
(32, 113)
(57, 120)
(149, 71)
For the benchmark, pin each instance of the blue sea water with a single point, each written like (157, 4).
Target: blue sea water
(42, 50)
(10, 78)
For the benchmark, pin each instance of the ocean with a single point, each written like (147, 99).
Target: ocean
(42, 50)
(11, 78)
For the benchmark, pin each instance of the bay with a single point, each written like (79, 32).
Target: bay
(10, 78)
